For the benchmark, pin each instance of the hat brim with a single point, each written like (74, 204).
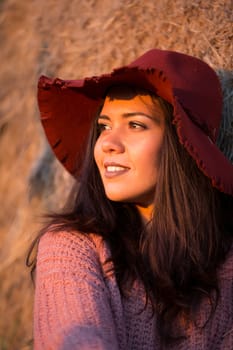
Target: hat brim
(210, 160)
(68, 108)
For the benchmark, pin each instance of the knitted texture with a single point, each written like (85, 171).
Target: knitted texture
(78, 304)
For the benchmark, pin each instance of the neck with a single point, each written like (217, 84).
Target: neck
(145, 212)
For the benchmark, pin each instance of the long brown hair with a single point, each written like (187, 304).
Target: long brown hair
(176, 256)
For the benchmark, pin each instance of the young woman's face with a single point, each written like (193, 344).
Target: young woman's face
(127, 151)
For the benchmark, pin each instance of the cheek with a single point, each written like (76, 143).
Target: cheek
(150, 151)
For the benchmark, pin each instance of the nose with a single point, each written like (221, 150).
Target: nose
(113, 142)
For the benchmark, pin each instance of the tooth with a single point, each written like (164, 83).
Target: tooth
(114, 168)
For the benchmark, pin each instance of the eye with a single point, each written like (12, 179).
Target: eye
(102, 127)
(137, 125)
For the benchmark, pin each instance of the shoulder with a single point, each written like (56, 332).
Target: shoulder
(73, 299)
(65, 240)
(65, 243)
(67, 250)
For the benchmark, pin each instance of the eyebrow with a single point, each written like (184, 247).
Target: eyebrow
(128, 115)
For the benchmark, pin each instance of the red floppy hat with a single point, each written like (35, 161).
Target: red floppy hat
(68, 107)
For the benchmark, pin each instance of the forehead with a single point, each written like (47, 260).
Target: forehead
(129, 98)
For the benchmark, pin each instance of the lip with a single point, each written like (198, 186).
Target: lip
(113, 169)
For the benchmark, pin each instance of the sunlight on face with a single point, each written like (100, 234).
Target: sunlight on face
(127, 151)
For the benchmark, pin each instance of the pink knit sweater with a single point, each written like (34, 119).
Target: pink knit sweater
(78, 304)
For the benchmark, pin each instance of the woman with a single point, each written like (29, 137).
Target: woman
(141, 257)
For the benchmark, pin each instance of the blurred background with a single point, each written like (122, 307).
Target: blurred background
(71, 39)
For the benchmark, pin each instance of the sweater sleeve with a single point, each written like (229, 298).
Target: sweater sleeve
(72, 307)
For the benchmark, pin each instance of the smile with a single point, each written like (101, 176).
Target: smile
(112, 170)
